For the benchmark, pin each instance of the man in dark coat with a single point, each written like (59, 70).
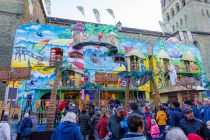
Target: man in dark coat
(114, 125)
(176, 114)
(25, 127)
(84, 121)
(94, 121)
(196, 111)
(190, 124)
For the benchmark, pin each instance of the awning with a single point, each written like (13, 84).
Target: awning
(171, 89)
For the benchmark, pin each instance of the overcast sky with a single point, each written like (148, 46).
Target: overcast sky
(141, 14)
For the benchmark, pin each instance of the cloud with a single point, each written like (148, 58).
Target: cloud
(20, 38)
(33, 27)
(48, 32)
(21, 31)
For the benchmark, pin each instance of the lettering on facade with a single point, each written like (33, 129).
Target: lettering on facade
(101, 77)
(15, 74)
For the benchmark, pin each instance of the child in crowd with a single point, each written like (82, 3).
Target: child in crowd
(155, 132)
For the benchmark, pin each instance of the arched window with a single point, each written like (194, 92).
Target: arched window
(134, 63)
(177, 24)
(202, 12)
(177, 7)
(168, 16)
(173, 28)
(181, 22)
(207, 13)
(183, 3)
(185, 19)
(172, 12)
(37, 21)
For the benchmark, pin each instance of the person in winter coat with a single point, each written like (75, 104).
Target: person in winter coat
(4, 128)
(190, 124)
(135, 110)
(94, 121)
(206, 111)
(161, 119)
(114, 124)
(102, 124)
(14, 123)
(196, 111)
(68, 129)
(169, 113)
(207, 131)
(176, 115)
(155, 131)
(25, 127)
(148, 116)
(84, 121)
(136, 128)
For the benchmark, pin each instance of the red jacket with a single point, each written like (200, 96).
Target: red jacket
(102, 127)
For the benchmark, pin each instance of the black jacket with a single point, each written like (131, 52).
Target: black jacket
(195, 126)
(207, 134)
(84, 120)
(114, 126)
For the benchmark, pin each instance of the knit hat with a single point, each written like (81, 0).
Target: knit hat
(194, 137)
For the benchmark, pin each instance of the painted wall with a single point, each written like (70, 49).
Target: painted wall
(34, 42)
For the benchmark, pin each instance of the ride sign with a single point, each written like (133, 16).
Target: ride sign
(15, 74)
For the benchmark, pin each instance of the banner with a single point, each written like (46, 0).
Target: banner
(97, 15)
(15, 74)
(111, 12)
(82, 11)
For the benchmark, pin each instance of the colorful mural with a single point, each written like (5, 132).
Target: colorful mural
(175, 58)
(83, 48)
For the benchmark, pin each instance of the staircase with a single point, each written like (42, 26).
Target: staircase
(52, 105)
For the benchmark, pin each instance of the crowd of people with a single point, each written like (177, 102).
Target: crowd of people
(10, 128)
(169, 121)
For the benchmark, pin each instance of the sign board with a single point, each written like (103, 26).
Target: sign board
(15, 74)
(102, 77)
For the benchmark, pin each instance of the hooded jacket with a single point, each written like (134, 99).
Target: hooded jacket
(25, 127)
(102, 127)
(161, 118)
(67, 131)
(4, 131)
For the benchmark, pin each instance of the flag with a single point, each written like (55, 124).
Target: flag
(97, 15)
(39, 46)
(111, 12)
(82, 11)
